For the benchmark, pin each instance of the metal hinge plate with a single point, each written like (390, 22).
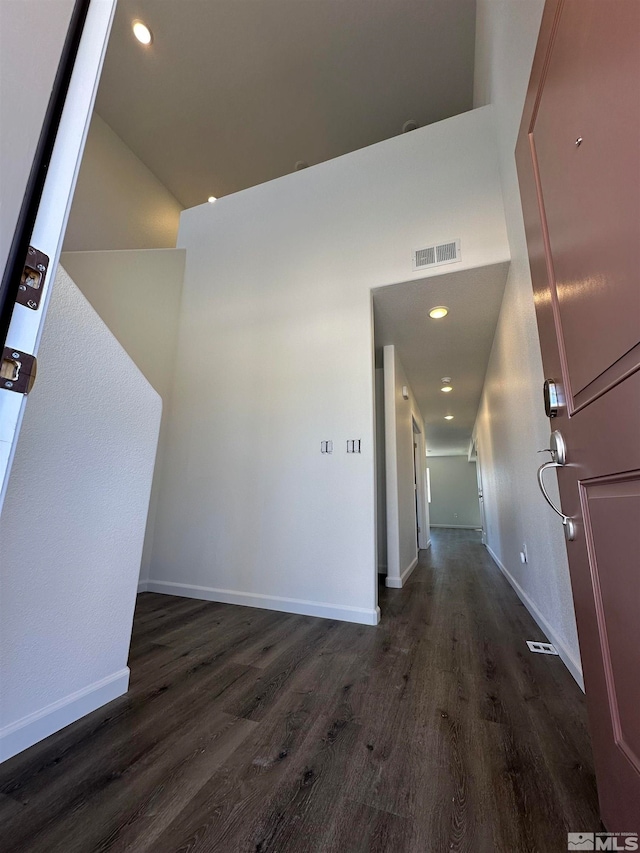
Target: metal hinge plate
(32, 281)
(17, 370)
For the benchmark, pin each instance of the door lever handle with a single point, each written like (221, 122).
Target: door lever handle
(558, 453)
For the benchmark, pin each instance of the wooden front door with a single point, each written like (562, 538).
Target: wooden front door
(578, 158)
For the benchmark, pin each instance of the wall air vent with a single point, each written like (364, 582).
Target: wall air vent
(435, 256)
(542, 648)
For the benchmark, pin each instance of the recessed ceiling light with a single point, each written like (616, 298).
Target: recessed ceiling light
(142, 32)
(438, 312)
(447, 388)
(211, 199)
(448, 417)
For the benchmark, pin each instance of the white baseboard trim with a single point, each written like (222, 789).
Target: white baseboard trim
(574, 666)
(268, 602)
(398, 583)
(457, 526)
(35, 727)
(143, 586)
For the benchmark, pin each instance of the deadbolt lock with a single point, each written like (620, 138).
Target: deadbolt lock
(551, 398)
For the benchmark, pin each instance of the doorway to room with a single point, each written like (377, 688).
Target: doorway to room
(417, 463)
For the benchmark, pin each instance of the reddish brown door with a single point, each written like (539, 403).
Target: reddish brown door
(578, 158)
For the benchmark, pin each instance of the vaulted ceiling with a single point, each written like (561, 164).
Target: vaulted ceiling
(232, 93)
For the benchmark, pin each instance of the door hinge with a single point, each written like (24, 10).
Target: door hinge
(17, 370)
(32, 281)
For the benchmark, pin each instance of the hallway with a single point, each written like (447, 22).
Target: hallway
(251, 730)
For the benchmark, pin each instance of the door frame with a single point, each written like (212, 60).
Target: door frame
(45, 218)
(423, 538)
(474, 456)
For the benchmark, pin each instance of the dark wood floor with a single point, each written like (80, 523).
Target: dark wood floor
(248, 730)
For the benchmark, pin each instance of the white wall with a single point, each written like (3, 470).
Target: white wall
(511, 423)
(454, 492)
(41, 24)
(72, 527)
(137, 294)
(400, 414)
(119, 203)
(275, 354)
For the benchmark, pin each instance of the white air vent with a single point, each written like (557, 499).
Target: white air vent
(435, 256)
(542, 648)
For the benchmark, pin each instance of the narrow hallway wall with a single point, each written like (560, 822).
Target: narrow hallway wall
(400, 413)
(512, 425)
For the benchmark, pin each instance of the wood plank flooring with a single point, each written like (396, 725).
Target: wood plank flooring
(249, 730)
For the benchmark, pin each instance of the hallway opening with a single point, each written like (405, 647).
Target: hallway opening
(432, 340)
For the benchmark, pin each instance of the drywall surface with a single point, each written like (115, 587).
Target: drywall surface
(119, 203)
(511, 423)
(400, 415)
(31, 39)
(381, 477)
(72, 526)
(454, 492)
(275, 355)
(137, 294)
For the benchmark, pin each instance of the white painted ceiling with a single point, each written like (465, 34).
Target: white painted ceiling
(457, 346)
(232, 93)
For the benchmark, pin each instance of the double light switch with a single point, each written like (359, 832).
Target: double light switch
(353, 446)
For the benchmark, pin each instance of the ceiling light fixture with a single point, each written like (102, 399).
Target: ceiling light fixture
(142, 32)
(438, 312)
(211, 199)
(447, 388)
(448, 417)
